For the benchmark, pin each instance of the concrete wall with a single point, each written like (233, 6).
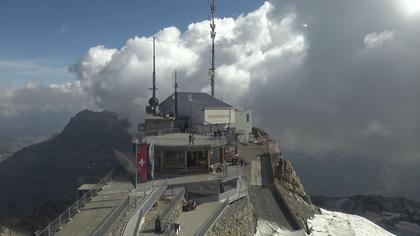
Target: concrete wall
(243, 123)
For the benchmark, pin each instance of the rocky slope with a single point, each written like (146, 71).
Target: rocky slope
(398, 215)
(292, 191)
(40, 181)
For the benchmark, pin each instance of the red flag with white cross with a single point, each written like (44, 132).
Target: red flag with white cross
(142, 163)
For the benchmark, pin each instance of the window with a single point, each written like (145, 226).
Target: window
(197, 159)
(202, 159)
(247, 117)
(191, 160)
(174, 159)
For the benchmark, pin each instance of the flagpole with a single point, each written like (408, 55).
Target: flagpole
(153, 165)
(135, 165)
(144, 175)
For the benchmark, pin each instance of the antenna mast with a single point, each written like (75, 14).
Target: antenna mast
(153, 101)
(176, 95)
(154, 67)
(212, 35)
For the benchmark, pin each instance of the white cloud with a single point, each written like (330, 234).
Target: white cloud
(14, 71)
(245, 48)
(36, 97)
(374, 40)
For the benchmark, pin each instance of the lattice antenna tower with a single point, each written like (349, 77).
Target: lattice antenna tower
(213, 36)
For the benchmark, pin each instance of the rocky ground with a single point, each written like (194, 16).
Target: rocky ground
(236, 220)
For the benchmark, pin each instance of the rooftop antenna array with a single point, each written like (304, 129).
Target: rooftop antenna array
(176, 95)
(212, 35)
(153, 101)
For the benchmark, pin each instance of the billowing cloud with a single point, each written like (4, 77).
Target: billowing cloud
(119, 79)
(35, 97)
(348, 80)
(358, 86)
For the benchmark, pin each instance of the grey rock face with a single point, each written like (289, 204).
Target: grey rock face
(291, 190)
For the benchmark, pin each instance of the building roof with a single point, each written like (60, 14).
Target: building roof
(202, 99)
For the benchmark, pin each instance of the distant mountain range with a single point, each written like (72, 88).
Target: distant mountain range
(338, 174)
(397, 215)
(22, 130)
(40, 181)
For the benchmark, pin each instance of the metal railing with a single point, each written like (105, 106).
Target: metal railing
(132, 226)
(57, 224)
(156, 132)
(163, 214)
(212, 219)
(106, 224)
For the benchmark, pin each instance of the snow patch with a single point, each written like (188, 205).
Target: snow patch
(325, 224)
(265, 228)
(337, 223)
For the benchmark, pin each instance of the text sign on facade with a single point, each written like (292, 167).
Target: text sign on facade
(219, 116)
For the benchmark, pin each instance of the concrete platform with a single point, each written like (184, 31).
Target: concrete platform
(191, 221)
(148, 226)
(111, 197)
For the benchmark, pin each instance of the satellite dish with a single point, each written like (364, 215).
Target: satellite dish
(153, 102)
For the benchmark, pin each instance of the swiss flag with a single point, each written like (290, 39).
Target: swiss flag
(142, 163)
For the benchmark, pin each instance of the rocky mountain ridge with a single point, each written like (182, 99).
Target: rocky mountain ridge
(40, 181)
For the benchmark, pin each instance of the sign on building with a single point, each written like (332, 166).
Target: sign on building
(219, 116)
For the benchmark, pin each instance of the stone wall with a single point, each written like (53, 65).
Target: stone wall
(173, 214)
(236, 220)
(288, 185)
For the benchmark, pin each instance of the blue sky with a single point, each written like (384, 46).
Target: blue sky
(39, 39)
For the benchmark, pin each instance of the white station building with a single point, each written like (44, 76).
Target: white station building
(216, 125)
(200, 113)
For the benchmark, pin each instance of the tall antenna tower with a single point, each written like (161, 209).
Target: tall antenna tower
(212, 35)
(153, 101)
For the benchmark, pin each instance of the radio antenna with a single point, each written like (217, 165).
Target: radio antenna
(212, 35)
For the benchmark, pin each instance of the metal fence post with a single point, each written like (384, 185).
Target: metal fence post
(49, 230)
